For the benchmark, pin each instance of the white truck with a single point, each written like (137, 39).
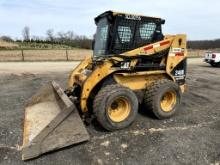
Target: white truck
(212, 58)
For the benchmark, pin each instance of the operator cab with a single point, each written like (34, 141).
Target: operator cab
(120, 32)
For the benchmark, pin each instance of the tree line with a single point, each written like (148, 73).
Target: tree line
(204, 44)
(69, 38)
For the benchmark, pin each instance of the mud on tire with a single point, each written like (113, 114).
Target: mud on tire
(163, 98)
(115, 107)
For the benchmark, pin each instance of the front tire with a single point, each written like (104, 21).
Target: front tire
(163, 98)
(115, 107)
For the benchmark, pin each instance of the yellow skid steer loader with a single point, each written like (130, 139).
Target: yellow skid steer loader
(133, 63)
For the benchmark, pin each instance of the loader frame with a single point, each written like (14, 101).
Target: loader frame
(176, 46)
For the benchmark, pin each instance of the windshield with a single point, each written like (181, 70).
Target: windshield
(131, 34)
(101, 37)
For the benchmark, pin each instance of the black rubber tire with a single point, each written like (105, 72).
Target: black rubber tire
(213, 64)
(109, 81)
(105, 97)
(154, 94)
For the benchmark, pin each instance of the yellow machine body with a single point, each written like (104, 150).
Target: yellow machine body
(133, 80)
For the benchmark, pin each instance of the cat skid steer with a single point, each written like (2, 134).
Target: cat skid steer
(133, 63)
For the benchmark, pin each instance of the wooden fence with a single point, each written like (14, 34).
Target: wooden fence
(60, 54)
(44, 55)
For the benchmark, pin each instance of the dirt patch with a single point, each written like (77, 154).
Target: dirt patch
(28, 68)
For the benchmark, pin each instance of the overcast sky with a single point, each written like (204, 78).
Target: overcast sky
(199, 19)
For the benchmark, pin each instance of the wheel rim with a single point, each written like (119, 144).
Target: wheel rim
(168, 101)
(119, 109)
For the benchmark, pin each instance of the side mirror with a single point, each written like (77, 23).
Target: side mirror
(163, 21)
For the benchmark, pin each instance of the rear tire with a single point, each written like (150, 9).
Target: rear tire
(213, 64)
(115, 107)
(163, 98)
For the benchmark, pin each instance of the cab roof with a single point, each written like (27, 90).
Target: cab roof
(115, 13)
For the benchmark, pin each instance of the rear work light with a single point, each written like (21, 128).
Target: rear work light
(213, 55)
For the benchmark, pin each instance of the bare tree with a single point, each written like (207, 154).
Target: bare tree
(50, 35)
(70, 35)
(36, 38)
(61, 36)
(26, 33)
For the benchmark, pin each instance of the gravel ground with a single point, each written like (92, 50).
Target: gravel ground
(192, 136)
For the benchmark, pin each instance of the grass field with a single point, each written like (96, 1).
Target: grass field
(35, 45)
(8, 45)
(196, 53)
